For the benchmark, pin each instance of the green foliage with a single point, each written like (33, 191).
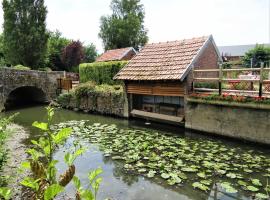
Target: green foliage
(21, 67)
(90, 53)
(5, 193)
(84, 89)
(231, 98)
(43, 182)
(212, 85)
(125, 27)
(4, 122)
(100, 72)
(45, 69)
(3, 61)
(64, 99)
(25, 36)
(56, 44)
(204, 164)
(259, 54)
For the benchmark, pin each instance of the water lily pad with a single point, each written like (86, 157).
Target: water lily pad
(242, 183)
(256, 182)
(231, 175)
(201, 175)
(200, 186)
(252, 188)
(228, 187)
(206, 182)
(151, 173)
(165, 175)
(261, 196)
(189, 169)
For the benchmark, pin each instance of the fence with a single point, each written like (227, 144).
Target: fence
(244, 81)
(64, 83)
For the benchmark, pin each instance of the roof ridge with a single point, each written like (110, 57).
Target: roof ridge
(182, 40)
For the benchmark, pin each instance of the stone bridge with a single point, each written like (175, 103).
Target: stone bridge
(24, 86)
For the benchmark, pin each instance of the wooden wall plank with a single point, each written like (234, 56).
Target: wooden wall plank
(159, 89)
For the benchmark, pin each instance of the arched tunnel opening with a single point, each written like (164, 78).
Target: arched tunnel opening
(25, 96)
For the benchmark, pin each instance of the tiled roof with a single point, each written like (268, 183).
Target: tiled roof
(114, 54)
(162, 61)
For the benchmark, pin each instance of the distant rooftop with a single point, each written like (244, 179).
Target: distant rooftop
(236, 50)
(115, 54)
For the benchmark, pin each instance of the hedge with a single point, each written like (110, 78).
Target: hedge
(100, 72)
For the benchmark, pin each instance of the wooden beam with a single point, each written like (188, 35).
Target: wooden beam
(206, 79)
(206, 70)
(240, 80)
(156, 116)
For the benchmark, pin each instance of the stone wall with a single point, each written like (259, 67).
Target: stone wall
(246, 123)
(106, 104)
(12, 79)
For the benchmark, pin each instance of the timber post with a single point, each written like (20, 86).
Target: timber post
(220, 80)
(261, 81)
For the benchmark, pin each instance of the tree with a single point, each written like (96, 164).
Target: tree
(125, 27)
(56, 44)
(257, 55)
(72, 55)
(25, 36)
(90, 53)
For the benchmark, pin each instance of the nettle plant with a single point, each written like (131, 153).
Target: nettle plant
(43, 183)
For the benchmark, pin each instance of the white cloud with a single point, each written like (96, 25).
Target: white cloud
(230, 21)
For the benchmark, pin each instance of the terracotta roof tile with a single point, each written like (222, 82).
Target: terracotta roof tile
(114, 54)
(162, 61)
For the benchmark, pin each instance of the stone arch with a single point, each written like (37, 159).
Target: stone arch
(25, 95)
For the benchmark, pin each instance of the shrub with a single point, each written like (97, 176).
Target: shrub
(84, 89)
(45, 69)
(100, 72)
(21, 67)
(206, 85)
(64, 99)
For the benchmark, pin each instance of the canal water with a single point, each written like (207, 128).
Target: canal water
(117, 183)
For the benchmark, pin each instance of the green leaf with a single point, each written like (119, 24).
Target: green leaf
(228, 187)
(165, 175)
(77, 182)
(92, 175)
(96, 184)
(151, 174)
(261, 196)
(252, 188)
(231, 175)
(52, 191)
(68, 159)
(62, 135)
(41, 125)
(34, 153)
(87, 195)
(201, 175)
(31, 183)
(25, 165)
(256, 182)
(200, 186)
(5, 193)
(242, 183)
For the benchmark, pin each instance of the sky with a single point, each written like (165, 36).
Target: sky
(231, 22)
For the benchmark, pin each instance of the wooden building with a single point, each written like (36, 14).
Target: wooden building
(158, 78)
(117, 55)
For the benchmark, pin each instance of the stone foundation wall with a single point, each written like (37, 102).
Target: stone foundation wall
(246, 123)
(107, 104)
